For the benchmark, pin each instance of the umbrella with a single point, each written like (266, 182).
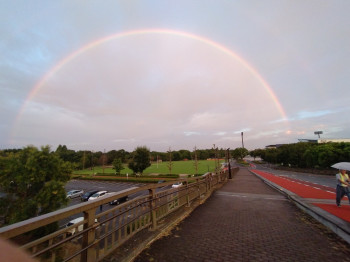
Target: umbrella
(342, 165)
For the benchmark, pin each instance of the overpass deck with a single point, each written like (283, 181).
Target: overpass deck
(248, 220)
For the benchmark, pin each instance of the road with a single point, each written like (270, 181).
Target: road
(323, 180)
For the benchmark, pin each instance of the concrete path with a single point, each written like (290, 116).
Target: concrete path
(247, 220)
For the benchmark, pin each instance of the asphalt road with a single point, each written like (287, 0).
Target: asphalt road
(323, 180)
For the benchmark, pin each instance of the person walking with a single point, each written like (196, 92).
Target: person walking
(342, 186)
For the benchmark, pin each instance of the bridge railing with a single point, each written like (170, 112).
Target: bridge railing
(99, 234)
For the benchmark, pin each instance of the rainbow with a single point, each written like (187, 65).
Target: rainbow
(98, 42)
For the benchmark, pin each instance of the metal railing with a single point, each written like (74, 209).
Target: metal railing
(99, 234)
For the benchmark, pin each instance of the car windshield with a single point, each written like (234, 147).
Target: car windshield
(95, 195)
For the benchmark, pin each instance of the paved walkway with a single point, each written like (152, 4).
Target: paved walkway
(247, 220)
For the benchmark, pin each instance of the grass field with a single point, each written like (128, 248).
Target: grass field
(178, 167)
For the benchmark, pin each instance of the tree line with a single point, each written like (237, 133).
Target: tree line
(82, 159)
(32, 180)
(305, 155)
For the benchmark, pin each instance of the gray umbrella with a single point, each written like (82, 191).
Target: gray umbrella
(342, 165)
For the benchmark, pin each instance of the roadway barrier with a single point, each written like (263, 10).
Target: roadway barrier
(96, 235)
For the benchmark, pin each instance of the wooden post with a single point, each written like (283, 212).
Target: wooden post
(89, 237)
(187, 194)
(152, 208)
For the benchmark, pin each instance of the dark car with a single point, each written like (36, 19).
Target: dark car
(87, 195)
(119, 200)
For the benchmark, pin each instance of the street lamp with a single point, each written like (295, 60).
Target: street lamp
(318, 133)
(242, 140)
(229, 165)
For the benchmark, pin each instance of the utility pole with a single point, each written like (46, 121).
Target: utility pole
(195, 160)
(215, 157)
(103, 161)
(242, 140)
(229, 165)
(318, 133)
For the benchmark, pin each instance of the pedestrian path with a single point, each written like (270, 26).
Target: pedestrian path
(248, 220)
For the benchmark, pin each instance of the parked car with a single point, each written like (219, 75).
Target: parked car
(176, 185)
(74, 230)
(75, 193)
(97, 195)
(119, 200)
(87, 195)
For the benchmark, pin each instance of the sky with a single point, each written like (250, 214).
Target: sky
(113, 74)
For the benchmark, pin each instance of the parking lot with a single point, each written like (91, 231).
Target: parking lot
(91, 185)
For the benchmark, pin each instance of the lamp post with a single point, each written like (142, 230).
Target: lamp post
(318, 133)
(229, 165)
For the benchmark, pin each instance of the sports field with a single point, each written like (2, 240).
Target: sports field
(178, 167)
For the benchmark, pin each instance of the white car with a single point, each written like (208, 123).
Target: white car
(176, 185)
(74, 230)
(97, 195)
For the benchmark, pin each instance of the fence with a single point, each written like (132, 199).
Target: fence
(96, 235)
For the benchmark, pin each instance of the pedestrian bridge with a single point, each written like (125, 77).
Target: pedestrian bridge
(97, 235)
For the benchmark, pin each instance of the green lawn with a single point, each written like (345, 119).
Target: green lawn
(178, 167)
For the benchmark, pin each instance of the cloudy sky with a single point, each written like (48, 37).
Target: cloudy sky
(113, 74)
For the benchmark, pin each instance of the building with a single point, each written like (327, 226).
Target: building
(323, 141)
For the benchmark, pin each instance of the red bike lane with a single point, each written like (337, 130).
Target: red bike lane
(311, 191)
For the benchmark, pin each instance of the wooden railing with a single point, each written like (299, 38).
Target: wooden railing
(98, 234)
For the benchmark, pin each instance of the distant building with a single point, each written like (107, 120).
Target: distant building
(323, 141)
(274, 146)
(308, 140)
(317, 141)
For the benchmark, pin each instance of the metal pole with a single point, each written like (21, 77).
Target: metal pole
(229, 165)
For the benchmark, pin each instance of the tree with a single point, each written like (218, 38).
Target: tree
(240, 153)
(117, 165)
(195, 160)
(33, 181)
(140, 160)
(170, 163)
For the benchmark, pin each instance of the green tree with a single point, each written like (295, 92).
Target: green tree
(185, 154)
(140, 160)
(33, 181)
(117, 165)
(170, 163)
(240, 153)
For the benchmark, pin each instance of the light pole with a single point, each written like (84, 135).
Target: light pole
(318, 133)
(229, 165)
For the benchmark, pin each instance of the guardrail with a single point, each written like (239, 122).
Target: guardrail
(99, 234)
